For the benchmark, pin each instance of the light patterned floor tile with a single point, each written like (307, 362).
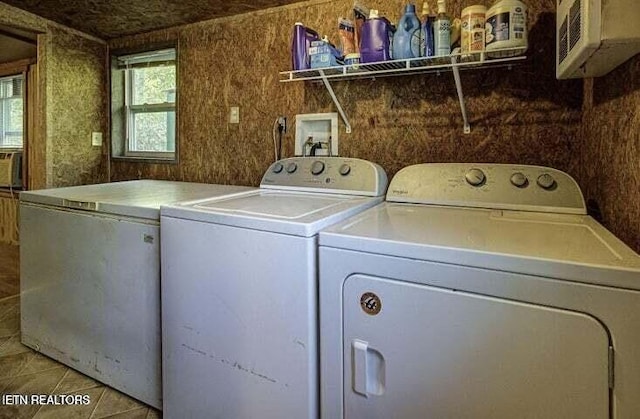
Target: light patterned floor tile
(39, 363)
(113, 402)
(12, 365)
(13, 346)
(74, 381)
(40, 383)
(140, 413)
(4, 382)
(7, 303)
(154, 414)
(10, 322)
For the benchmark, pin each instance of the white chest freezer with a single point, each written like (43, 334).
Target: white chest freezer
(90, 277)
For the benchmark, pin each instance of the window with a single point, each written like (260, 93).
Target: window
(149, 104)
(11, 112)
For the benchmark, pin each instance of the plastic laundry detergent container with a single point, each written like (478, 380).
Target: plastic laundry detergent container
(473, 28)
(375, 40)
(506, 27)
(406, 40)
(302, 38)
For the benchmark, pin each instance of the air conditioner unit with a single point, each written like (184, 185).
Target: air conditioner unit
(11, 169)
(595, 36)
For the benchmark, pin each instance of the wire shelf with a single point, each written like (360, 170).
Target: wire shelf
(453, 62)
(408, 66)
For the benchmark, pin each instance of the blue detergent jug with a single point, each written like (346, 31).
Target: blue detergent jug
(406, 41)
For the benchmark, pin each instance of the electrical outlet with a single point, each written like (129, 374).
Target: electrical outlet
(234, 115)
(282, 121)
(96, 139)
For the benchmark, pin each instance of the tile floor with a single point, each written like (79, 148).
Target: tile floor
(24, 371)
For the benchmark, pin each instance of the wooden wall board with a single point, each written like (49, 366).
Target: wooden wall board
(524, 115)
(8, 219)
(76, 107)
(610, 149)
(71, 104)
(115, 18)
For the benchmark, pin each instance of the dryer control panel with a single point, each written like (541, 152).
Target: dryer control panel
(483, 185)
(327, 175)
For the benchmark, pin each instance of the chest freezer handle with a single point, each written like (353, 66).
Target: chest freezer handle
(368, 369)
(85, 205)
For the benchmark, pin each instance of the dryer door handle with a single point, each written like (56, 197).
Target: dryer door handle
(368, 369)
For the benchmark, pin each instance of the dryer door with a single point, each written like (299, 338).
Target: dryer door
(414, 351)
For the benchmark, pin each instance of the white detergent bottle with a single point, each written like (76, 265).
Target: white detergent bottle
(442, 30)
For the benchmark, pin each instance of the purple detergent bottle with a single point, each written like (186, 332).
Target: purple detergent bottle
(375, 39)
(302, 37)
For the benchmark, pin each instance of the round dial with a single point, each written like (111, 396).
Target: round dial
(292, 167)
(317, 167)
(520, 180)
(546, 181)
(475, 177)
(277, 168)
(345, 169)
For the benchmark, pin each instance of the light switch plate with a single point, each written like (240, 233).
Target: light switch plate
(234, 115)
(96, 139)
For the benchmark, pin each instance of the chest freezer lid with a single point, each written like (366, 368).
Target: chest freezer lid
(566, 246)
(280, 211)
(137, 198)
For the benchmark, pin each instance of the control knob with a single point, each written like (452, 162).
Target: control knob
(317, 167)
(345, 169)
(277, 168)
(292, 167)
(475, 177)
(520, 180)
(546, 181)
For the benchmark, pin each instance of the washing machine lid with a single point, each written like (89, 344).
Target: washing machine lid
(280, 211)
(566, 246)
(137, 198)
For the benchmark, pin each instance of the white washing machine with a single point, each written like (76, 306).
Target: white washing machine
(239, 290)
(90, 277)
(478, 291)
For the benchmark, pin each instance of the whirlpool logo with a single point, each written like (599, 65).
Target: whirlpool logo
(370, 303)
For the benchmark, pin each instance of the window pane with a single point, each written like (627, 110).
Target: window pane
(154, 85)
(11, 112)
(153, 131)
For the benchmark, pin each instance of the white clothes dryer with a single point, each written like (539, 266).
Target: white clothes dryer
(478, 291)
(239, 290)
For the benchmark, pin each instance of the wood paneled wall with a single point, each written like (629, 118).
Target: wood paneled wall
(610, 149)
(8, 219)
(76, 106)
(71, 99)
(521, 115)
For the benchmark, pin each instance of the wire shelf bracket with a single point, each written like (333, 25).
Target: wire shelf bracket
(466, 128)
(467, 61)
(336, 102)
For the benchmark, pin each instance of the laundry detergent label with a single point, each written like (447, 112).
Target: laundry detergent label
(519, 22)
(497, 28)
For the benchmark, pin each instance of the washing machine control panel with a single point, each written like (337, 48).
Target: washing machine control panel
(328, 175)
(483, 185)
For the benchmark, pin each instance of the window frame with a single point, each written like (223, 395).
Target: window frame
(5, 110)
(120, 144)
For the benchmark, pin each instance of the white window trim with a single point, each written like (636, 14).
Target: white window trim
(5, 111)
(132, 110)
